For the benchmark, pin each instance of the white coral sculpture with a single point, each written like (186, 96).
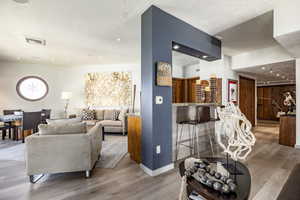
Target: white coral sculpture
(235, 138)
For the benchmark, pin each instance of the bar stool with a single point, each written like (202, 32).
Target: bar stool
(202, 117)
(182, 119)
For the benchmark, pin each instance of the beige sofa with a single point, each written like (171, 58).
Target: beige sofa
(105, 118)
(68, 150)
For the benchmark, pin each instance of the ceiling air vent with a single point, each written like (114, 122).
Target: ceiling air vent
(35, 41)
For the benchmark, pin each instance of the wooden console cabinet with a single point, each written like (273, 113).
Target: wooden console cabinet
(287, 132)
(134, 137)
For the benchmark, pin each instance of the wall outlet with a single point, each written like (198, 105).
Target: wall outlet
(159, 100)
(158, 149)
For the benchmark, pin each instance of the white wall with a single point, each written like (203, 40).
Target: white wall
(286, 17)
(260, 57)
(59, 79)
(177, 71)
(297, 103)
(220, 68)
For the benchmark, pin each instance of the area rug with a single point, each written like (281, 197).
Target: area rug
(112, 153)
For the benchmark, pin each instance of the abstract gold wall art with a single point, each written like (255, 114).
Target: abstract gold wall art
(108, 89)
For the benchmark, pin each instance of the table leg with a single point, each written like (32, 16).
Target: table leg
(3, 134)
(23, 136)
(103, 133)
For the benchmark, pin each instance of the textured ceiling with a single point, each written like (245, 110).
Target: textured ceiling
(254, 34)
(79, 33)
(286, 71)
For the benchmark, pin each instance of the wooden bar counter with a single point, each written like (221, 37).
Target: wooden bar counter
(287, 132)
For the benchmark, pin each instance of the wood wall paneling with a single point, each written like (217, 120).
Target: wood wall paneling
(247, 98)
(268, 97)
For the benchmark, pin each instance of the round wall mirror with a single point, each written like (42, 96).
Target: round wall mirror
(32, 88)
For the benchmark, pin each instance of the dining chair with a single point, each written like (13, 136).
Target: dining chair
(15, 126)
(45, 115)
(31, 120)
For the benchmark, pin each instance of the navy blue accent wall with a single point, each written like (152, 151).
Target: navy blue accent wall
(159, 30)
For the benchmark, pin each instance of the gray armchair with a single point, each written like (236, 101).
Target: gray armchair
(57, 153)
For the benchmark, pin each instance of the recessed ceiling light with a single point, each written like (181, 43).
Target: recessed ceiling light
(176, 46)
(205, 56)
(277, 74)
(263, 68)
(271, 71)
(21, 1)
(118, 39)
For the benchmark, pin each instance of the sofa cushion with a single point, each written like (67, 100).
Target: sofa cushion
(99, 114)
(111, 114)
(56, 129)
(88, 114)
(111, 123)
(63, 121)
(90, 122)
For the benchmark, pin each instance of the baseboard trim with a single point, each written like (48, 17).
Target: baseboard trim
(297, 146)
(157, 171)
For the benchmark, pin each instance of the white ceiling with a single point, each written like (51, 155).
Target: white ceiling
(286, 71)
(183, 60)
(254, 34)
(85, 32)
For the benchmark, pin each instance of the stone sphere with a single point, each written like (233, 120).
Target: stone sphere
(217, 186)
(202, 165)
(223, 179)
(207, 169)
(209, 183)
(218, 175)
(229, 181)
(232, 186)
(225, 188)
(203, 179)
(212, 172)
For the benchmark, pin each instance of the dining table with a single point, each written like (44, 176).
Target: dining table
(10, 119)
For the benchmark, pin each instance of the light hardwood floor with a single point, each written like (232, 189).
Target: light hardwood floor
(269, 164)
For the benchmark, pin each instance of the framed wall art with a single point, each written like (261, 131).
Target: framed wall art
(232, 91)
(163, 74)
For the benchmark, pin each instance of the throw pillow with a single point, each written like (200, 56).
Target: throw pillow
(122, 114)
(115, 115)
(63, 121)
(56, 129)
(111, 114)
(99, 115)
(88, 114)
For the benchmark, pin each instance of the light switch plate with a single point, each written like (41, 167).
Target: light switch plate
(158, 149)
(159, 100)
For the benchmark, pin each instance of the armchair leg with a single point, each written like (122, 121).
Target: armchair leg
(87, 173)
(33, 180)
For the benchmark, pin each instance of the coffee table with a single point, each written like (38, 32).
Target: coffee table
(243, 181)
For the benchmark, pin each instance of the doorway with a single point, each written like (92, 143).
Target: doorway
(247, 98)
